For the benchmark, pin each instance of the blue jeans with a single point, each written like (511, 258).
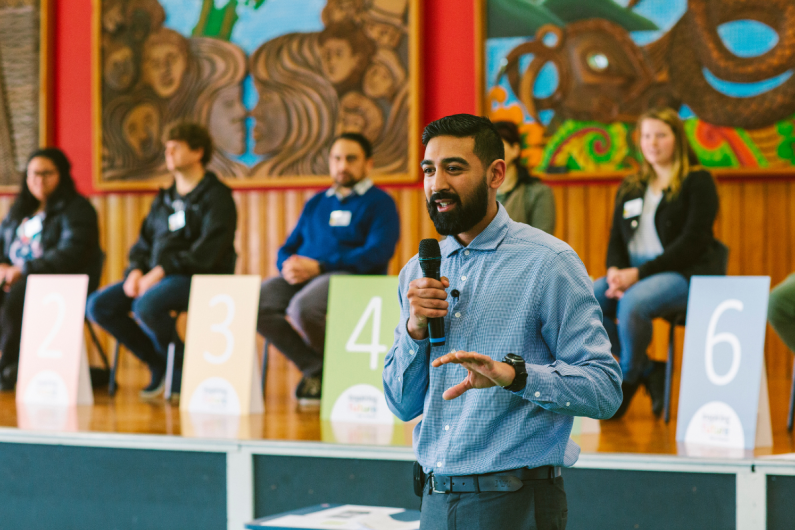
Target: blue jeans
(150, 329)
(629, 321)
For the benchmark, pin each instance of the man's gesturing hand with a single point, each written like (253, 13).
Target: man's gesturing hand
(482, 372)
(427, 299)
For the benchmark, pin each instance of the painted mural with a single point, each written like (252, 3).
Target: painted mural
(19, 86)
(273, 80)
(576, 74)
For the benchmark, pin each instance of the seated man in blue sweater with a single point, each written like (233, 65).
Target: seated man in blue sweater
(351, 228)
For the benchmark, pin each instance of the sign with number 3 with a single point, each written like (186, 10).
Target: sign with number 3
(723, 400)
(221, 372)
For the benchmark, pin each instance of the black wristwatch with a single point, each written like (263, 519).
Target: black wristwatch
(520, 379)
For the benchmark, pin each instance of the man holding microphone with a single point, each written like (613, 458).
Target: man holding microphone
(525, 350)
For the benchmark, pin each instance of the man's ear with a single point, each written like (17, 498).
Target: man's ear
(370, 165)
(496, 173)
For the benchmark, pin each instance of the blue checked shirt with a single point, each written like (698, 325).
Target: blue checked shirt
(524, 292)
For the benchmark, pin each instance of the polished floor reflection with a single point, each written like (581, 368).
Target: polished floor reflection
(284, 419)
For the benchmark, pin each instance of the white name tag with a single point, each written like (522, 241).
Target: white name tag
(633, 208)
(32, 227)
(340, 218)
(176, 220)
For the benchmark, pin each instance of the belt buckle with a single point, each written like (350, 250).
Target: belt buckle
(433, 486)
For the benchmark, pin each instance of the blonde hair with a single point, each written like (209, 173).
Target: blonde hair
(684, 158)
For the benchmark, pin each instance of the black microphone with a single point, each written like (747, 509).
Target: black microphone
(431, 263)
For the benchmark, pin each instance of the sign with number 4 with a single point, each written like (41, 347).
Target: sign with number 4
(53, 363)
(221, 372)
(723, 401)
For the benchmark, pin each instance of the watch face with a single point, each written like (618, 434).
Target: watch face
(512, 357)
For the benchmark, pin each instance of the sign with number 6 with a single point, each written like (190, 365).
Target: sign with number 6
(723, 400)
(221, 372)
(53, 364)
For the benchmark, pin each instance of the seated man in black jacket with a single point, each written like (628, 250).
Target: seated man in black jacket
(50, 229)
(190, 229)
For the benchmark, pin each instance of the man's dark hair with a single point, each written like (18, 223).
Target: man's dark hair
(488, 143)
(360, 139)
(195, 135)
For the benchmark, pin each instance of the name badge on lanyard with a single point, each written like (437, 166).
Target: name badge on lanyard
(32, 227)
(176, 220)
(340, 218)
(633, 208)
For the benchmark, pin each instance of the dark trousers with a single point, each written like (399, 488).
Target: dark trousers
(539, 505)
(150, 329)
(11, 305)
(305, 304)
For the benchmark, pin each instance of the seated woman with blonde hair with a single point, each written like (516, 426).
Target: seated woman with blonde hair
(661, 236)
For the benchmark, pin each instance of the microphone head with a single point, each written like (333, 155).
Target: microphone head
(429, 249)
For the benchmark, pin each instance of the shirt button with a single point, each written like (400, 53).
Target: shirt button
(446, 427)
(466, 253)
(411, 352)
(538, 394)
(452, 351)
(458, 315)
(568, 403)
(400, 379)
(438, 464)
(634, 224)
(463, 278)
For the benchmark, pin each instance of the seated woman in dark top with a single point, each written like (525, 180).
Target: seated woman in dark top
(50, 229)
(661, 236)
(525, 198)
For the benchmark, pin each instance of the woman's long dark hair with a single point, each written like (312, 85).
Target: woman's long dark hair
(509, 132)
(25, 203)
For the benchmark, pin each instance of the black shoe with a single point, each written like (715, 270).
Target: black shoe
(628, 389)
(156, 385)
(655, 386)
(308, 390)
(8, 378)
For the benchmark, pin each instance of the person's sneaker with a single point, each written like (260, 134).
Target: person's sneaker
(308, 390)
(156, 385)
(655, 386)
(8, 378)
(628, 390)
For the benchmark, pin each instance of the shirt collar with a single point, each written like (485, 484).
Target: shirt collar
(360, 188)
(488, 239)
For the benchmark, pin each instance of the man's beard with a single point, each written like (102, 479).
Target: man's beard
(464, 216)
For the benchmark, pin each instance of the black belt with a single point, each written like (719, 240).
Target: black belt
(503, 481)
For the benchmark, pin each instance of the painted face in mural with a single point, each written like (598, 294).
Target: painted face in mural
(119, 68)
(360, 114)
(378, 82)
(227, 122)
(271, 122)
(338, 60)
(141, 129)
(340, 11)
(163, 67)
(384, 34)
(657, 142)
(347, 163)
(42, 177)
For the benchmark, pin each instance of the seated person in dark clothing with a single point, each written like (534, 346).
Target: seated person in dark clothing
(351, 228)
(661, 236)
(50, 229)
(190, 229)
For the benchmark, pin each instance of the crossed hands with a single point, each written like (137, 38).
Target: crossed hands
(428, 299)
(137, 283)
(299, 269)
(619, 280)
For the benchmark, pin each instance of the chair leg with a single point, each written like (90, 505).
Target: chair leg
(113, 369)
(265, 350)
(669, 370)
(169, 369)
(791, 402)
(99, 347)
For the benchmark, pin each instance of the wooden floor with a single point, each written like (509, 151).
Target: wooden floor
(637, 432)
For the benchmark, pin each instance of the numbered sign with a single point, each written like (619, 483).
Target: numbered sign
(53, 365)
(723, 400)
(362, 314)
(221, 372)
